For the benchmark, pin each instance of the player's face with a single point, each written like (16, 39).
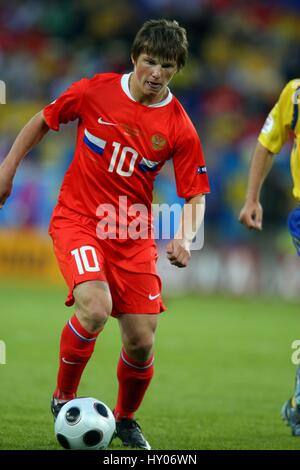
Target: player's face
(150, 78)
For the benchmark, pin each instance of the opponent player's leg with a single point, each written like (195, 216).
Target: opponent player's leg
(291, 408)
(134, 372)
(93, 307)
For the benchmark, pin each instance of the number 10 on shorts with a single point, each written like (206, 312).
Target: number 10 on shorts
(82, 261)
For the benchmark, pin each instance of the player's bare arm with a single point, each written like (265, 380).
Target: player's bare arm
(30, 135)
(178, 250)
(251, 214)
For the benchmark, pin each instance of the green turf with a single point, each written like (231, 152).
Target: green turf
(222, 371)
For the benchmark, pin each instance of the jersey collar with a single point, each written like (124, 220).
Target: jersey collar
(125, 87)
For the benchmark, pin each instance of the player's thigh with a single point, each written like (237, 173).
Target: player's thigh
(134, 290)
(80, 257)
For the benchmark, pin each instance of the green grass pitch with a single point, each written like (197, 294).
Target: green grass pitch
(222, 371)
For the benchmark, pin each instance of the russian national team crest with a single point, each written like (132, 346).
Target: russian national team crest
(158, 141)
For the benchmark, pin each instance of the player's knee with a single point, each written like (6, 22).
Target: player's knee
(96, 315)
(98, 309)
(140, 348)
(94, 308)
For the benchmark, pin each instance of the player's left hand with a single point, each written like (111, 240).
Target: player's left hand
(178, 253)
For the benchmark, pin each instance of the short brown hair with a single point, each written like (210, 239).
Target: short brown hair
(161, 38)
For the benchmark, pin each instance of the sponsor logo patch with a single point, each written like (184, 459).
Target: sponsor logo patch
(268, 125)
(201, 169)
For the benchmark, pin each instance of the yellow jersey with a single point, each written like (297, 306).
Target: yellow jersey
(283, 119)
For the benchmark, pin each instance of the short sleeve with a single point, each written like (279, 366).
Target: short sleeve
(281, 119)
(189, 164)
(67, 106)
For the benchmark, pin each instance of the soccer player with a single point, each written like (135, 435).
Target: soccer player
(282, 120)
(128, 126)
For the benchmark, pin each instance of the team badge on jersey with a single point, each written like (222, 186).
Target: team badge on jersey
(158, 141)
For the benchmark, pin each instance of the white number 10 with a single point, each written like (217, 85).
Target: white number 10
(82, 260)
(125, 151)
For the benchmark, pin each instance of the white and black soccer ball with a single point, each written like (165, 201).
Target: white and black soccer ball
(86, 424)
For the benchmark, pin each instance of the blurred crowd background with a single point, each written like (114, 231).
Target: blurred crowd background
(241, 55)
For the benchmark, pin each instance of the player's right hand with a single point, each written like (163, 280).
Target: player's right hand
(178, 252)
(251, 215)
(6, 181)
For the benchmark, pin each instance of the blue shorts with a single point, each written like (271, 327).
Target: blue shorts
(294, 227)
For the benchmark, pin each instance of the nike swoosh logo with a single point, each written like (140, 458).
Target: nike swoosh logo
(100, 120)
(152, 297)
(68, 362)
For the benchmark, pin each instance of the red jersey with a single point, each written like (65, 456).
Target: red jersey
(122, 145)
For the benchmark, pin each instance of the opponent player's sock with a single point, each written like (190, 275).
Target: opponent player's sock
(76, 347)
(134, 378)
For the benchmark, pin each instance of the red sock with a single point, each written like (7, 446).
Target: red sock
(76, 347)
(134, 378)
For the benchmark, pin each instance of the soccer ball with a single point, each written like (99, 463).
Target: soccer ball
(85, 423)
